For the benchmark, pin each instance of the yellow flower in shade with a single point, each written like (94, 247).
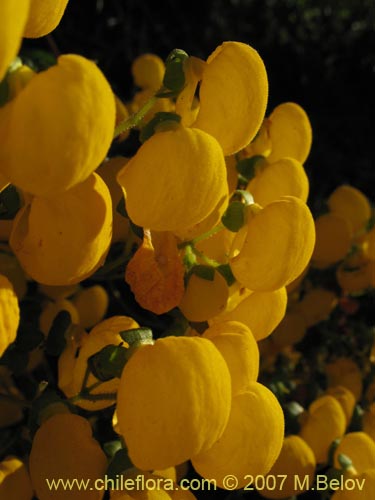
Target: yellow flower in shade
(276, 246)
(9, 314)
(296, 459)
(358, 278)
(369, 421)
(204, 298)
(52, 309)
(11, 269)
(44, 17)
(148, 71)
(63, 240)
(317, 305)
(251, 442)
(239, 349)
(363, 488)
(63, 447)
(13, 17)
(324, 423)
(291, 330)
(175, 180)
(261, 144)
(80, 346)
(91, 304)
(19, 79)
(351, 204)
(155, 273)
(346, 399)
(333, 239)
(285, 177)
(360, 448)
(15, 483)
(290, 133)
(233, 95)
(59, 128)
(259, 311)
(173, 401)
(344, 371)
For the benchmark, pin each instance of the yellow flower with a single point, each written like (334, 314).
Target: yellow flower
(52, 309)
(44, 17)
(173, 401)
(284, 177)
(59, 128)
(247, 446)
(91, 304)
(63, 240)
(290, 133)
(13, 17)
(175, 180)
(9, 314)
(276, 247)
(344, 371)
(155, 273)
(233, 95)
(360, 448)
(351, 204)
(333, 239)
(317, 305)
(15, 483)
(148, 71)
(63, 447)
(346, 399)
(369, 421)
(296, 459)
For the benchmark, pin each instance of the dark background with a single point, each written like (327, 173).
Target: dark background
(318, 53)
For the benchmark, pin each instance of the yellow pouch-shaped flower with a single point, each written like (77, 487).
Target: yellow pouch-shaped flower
(290, 132)
(92, 304)
(362, 489)
(52, 309)
(59, 128)
(63, 240)
(317, 305)
(13, 17)
(233, 95)
(73, 360)
(277, 246)
(15, 483)
(9, 314)
(324, 423)
(175, 180)
(368, 421)
(285, 177)
(260, 311)
(63, 447)
(148, 71)
(351, 204)
(333, 239)
(251, 441)
(44, 17)
(296, 459)
(344, 371)
(360, 448)
(155, 273)
(346, 399)
(173, 401)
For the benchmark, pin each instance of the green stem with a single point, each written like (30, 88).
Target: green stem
(202, 237)
(202, 256)
(136, 118)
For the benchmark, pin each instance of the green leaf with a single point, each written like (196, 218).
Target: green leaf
(38, 60)
(112, 447)
(204, 272)
(119, 464)
(56, 341)
(247, 166)
(10, 203)
(174, 76)
(136, 335)
(161, 117)
(226, 272)
(234, 216)
(108, 363)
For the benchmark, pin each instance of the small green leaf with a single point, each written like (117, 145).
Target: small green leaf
(174, 77)
(226, 272)
(119, 463)
(108, 363)
(56, 342)
(247, 166)
(204, 272)
(245, 196)
(161, 117)
(234, 216)
(112, 447)
(344, 461)
(136, 335)
(10, 203)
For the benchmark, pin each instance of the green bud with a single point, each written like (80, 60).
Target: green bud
(234, 216)
(10, 203)
(56, 341)
(108, 363)
(247, 166)
(174, 77)
(204, 272)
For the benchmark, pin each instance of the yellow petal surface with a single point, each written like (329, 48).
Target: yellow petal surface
(247, 446)
(277, 247)
(15, 483)
(333, 238)
(233, 95)
(59, 128)
(156, 273)
(175, 180)
(63, 447)
(148, 71)
(346, 399)
(63, 240)
(91, 304)
(173, 401)
(317, 305)
(360, 448)
(9, 314)
(13, 17)
(285, 177)
(344, 371)
(44, 17)
(290, 132)
(351, 204)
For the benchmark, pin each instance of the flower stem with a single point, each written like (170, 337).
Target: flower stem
(136, 118)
